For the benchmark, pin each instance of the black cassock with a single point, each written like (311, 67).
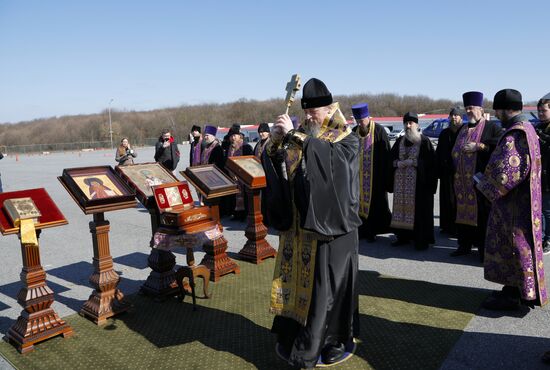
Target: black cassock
(426, 186)
(445, 173)
(326, 194)
(379, 218)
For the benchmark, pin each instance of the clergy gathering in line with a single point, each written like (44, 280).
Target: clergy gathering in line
(328, 185)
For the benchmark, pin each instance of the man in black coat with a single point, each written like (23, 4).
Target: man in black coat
(166, 151)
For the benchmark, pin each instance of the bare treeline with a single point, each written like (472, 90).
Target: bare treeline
(140, 126)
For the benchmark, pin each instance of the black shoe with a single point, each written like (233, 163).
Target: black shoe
(546, 247)
(333, 353)
(461, 252)
(501, 302)
(398, 242)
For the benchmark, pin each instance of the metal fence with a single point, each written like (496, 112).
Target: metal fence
(75, 146)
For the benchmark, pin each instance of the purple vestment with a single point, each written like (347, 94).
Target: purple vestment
(513, 250)
(465, 165)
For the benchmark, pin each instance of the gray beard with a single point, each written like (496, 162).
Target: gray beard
(413, 136)
(312, 129)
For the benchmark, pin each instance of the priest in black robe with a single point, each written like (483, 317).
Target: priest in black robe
(264, 132)
(313, 201)
(473, 147)
(211, 149)
(374, 167)
(414, 185)
(445, 173)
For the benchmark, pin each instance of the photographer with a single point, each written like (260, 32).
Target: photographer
(125, 154)
(166, 151)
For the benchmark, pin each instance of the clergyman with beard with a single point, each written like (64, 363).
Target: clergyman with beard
(445, 173)
(473, 147)
(414, 186)
(211, 149)
(374, 165)
(313, 201)
(512, 183)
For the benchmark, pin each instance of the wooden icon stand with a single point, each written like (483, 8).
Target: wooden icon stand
(106, 299)
(161, 282)
(256, 248)
(212, 184)
(250, 171)
(38, 321)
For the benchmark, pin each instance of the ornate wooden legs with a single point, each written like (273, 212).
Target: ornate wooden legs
(162, 280)
(217, 260)
(37, 321)
(256, 248)
(106, 300)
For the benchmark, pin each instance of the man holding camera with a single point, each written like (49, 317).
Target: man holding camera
(166, 151)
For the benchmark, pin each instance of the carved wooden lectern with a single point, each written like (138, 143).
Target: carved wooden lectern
(250, 171)
(97, 190)
(38, 321)
(212, 184)
(161, 282)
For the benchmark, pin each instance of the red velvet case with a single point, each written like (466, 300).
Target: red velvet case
(185, 216)
(172, 197)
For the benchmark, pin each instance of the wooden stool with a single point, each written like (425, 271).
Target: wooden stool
(191, 272)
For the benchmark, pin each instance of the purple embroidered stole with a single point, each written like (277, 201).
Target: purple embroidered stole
(366, 150)
(536, 210)
(465, 165)
(205, 154)
(197, 153)
(239, 197)
(404, 188)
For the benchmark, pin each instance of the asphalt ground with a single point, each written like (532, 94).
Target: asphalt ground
(491, 340)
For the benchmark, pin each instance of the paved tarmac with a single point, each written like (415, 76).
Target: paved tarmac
(490, 340)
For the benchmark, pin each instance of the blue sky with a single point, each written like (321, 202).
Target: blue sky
(72, 57)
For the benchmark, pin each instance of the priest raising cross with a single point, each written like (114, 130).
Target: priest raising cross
(292, 88)
(312, 199)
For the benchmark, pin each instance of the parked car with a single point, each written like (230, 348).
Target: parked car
(434, 129)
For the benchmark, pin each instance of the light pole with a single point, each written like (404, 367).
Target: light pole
(110, 125)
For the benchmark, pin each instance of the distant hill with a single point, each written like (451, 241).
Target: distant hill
(140, 127)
